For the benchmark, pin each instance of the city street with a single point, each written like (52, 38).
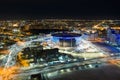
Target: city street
(109, 72)
(79, 69)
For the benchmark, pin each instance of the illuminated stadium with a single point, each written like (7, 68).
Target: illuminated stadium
(66, 39)
(74, 44)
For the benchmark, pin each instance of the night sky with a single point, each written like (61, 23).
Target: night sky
(59, 9)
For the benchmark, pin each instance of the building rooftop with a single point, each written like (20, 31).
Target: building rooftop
(65, 34)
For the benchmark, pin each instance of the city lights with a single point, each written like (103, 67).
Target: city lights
(58, 50)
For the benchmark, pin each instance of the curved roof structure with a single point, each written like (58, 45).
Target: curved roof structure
(65, 34)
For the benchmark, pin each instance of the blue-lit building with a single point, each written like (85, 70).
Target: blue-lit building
(66, 39)
(113, 37)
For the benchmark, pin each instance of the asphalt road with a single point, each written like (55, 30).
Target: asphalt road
(109, 72)
(103, 73)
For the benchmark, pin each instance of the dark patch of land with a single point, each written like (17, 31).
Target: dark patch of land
(109, 72)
